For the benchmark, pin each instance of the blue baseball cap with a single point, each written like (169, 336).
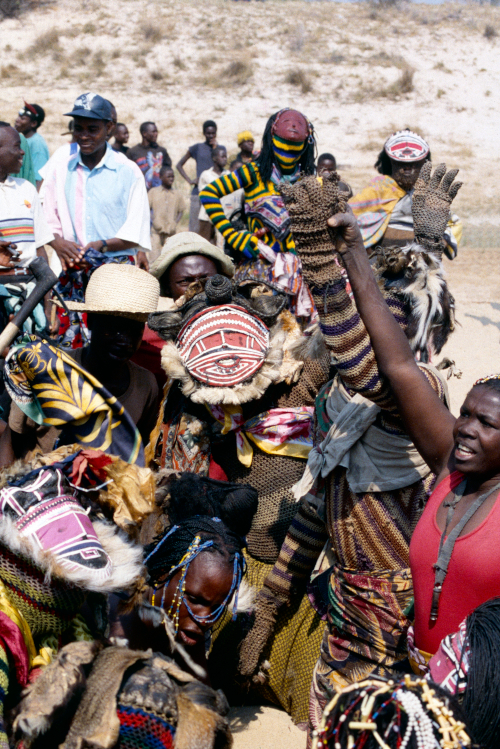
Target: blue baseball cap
(92, 106)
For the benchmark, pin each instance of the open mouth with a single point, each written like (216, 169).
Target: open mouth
(462, 452)
(228, 362)
(187, 639)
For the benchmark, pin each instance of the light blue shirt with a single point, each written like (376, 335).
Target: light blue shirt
(105, 202)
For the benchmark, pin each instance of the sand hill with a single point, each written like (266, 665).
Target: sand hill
(358, 71)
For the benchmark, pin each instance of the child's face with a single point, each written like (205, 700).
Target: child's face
(326, 167)
(220, 158)
(167, 178)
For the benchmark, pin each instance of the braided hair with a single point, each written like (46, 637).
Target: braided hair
(482, 693)
(410, 712)
(216, 511)
(265, 159)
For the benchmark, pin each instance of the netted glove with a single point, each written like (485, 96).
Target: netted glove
(267, 608)
(310, 203)
(431, 202)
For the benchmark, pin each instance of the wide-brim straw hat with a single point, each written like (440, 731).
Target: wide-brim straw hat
(189, 243)
(122, 290)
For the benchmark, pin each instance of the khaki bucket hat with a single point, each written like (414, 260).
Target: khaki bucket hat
(120, 289)
(189, 243)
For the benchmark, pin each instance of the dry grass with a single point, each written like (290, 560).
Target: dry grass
(384, 60)
(179, 64)
(401, 86)
(301, 79)
(238, 72)
(151, 32)
(45, 43)
(490, 31)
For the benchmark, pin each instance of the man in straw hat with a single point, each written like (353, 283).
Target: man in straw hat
(185, 259)
(118, 301)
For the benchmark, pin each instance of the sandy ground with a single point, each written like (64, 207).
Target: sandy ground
(358, 70)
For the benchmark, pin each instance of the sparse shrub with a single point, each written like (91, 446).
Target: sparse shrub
(402, 85)
(46, 42)
(10, 8)
(300, 79)
(490, 31)
(151, 32)
(440, 93)
(8, 71)
(238, 72)
(116, 53)
(80, 56)
(179, 64)
(156, 75)
(89, 28)
(98, 63)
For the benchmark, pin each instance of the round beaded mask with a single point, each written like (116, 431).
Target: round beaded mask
(223, 346)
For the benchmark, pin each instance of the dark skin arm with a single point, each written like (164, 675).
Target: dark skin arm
(182, 172)
(426, 418)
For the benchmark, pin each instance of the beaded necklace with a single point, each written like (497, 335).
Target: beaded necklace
(195, 548)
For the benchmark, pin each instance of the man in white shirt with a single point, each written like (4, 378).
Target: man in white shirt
(95, 202)
(219, 158)
(23, 230)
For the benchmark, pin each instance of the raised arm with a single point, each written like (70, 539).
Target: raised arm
(244, 241)
(343, 330)
(425, 417)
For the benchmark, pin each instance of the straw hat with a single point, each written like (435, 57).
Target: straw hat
(120, 289)
(189, 243)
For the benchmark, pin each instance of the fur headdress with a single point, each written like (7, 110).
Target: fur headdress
(418, 277)
(227, 344)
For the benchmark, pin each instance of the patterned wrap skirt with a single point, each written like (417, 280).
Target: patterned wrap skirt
(366, 634)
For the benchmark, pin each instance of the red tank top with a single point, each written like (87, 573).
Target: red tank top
(473, 573)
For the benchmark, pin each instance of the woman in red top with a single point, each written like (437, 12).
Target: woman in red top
(464, 453)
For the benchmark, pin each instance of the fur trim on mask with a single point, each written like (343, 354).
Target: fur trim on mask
(126, 557)
(311, 345)
(419, 277)
(279, 366)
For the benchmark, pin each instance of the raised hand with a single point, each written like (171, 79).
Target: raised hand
(431, 202)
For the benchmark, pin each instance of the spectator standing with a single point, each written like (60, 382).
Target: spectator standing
(121, 138)
(167, 206)
(23, 229)
(28, 121)
(202, 154)
(219, 161)
(27, 170)
(246, 143)
(96, 204)
(149, 156)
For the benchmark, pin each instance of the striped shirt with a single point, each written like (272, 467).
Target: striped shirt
(21, 218)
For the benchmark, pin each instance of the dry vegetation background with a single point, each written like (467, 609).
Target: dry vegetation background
(359, 71)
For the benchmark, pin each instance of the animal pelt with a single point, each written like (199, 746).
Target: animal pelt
(54, 688)
(276, 368)
(126, 557)
(141, 680)
(310, 345)
(419, 278)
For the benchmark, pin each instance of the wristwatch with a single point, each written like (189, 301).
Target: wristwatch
(104, 245)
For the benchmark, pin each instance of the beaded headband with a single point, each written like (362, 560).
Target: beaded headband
(488, 378)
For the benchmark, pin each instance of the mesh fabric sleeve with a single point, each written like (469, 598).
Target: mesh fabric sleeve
(210, 198)
(301, 548)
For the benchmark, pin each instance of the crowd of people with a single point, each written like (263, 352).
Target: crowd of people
(229, 470)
